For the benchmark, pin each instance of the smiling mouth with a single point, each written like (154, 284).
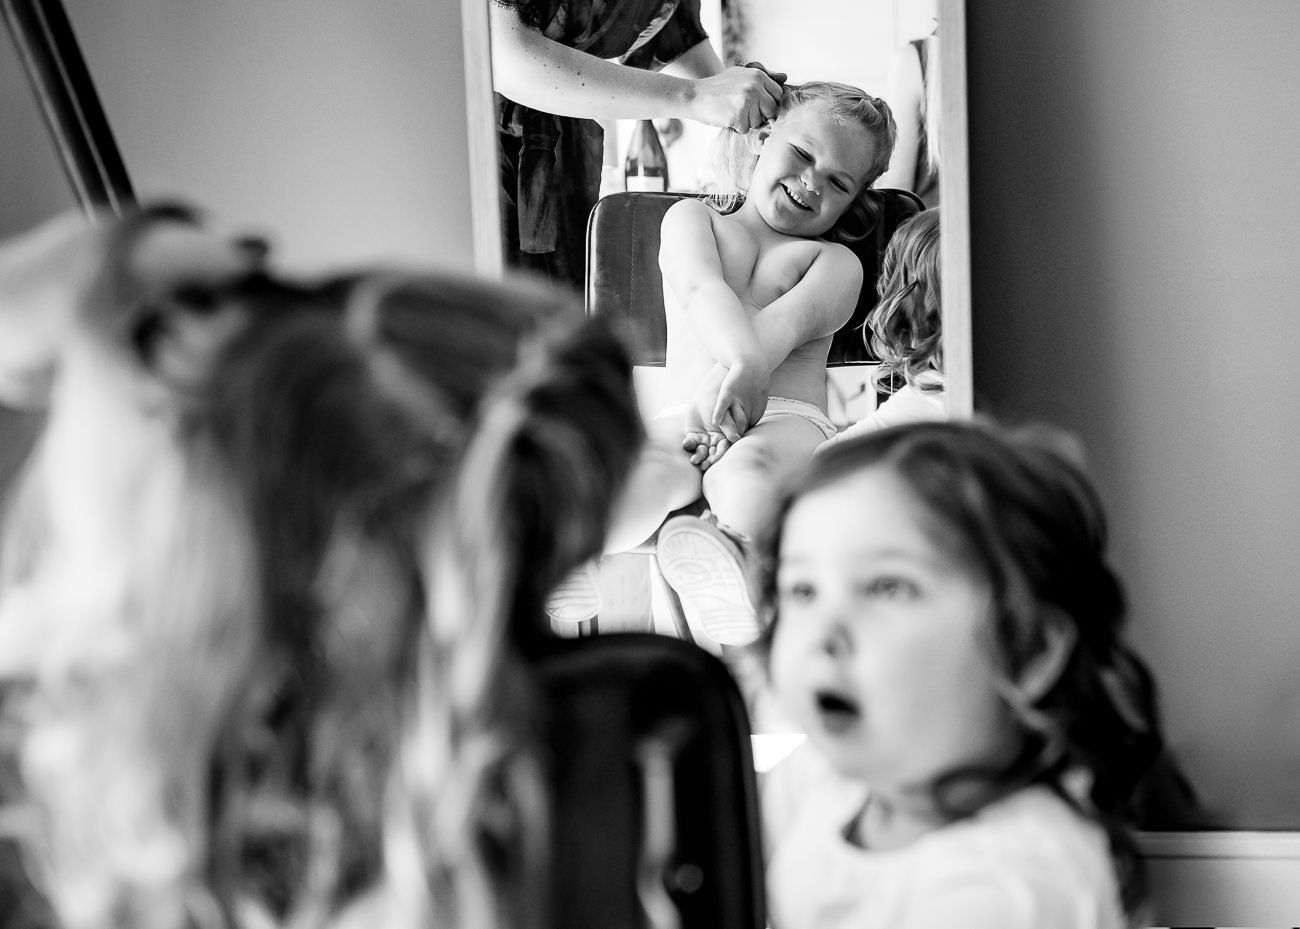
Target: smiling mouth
(796, 199)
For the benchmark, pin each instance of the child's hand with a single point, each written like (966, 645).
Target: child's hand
(705, 448)
(741, 402)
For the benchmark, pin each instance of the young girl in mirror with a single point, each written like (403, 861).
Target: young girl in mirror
(752, 298)
(944, 626)
(905, 330)
(270, 580)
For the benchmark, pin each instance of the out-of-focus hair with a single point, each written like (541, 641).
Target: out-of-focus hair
(1017, 510)
(285, 546)
(905, 326)
(736, 153)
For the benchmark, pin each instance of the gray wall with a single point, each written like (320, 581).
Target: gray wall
(1136, 276)
(338, 126)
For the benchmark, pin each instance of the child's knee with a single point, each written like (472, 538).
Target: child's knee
(744, 465)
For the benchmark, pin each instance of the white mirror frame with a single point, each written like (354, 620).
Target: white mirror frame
(954, 243)
(480, 110)
(954, 185)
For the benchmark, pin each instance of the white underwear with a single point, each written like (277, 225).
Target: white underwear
(783, 406)
(776, 408)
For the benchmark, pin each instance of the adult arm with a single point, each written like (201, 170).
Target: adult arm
(701, 60)
(541, 73)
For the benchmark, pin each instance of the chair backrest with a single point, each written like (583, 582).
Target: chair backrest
(656, 818)
(623, 277)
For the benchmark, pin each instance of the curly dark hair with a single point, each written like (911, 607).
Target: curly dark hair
(904, 330)
(1016, 508)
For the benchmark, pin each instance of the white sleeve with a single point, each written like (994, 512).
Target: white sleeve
(907, 405)
(985, 896)
(785, 789)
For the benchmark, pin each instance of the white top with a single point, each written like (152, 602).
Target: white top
(908, 404)
(1025, 861)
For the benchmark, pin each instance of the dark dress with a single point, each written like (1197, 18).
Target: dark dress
(550, 165)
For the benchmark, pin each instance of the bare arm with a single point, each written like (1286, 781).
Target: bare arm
(692, 270)
(818, 305)
(700, 60)
(541, 73)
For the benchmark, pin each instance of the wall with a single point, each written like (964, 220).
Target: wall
(1136, 278)
(795, 38)
(338, 128)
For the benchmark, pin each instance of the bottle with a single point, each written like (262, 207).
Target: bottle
(646, 167)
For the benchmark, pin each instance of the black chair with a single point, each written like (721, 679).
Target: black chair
(656, 822)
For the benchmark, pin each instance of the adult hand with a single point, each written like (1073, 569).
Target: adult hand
(778, 76)
(43, 273)
(738, 98)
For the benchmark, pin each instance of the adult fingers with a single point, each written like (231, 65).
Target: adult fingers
(43, 273)
(777, 76)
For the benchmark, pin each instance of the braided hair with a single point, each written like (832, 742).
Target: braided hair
(315, 548)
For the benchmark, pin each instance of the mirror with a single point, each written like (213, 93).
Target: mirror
(778, 34)
(868, 34)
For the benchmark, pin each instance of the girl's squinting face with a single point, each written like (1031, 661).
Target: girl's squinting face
(809, 170)
(876, 652)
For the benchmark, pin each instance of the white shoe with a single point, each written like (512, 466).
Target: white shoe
(706, 568)
(577, 598)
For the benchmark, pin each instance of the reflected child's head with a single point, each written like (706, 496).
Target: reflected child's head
(808, 167)
(904, 329)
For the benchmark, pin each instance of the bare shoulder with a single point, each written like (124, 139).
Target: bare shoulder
(689, 213)
(829, 259)
(837, 255)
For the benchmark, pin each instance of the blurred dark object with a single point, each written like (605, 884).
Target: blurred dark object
(656, 807)
(69, 104)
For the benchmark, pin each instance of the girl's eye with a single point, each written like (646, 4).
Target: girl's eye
(891, 588)
(798, 592)
(840, 185)
(801, 153)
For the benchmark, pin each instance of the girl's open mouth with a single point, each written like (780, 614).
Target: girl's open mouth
(837, 711)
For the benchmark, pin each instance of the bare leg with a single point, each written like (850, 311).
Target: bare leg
(663, 480)
(704, 564)
(740, 487)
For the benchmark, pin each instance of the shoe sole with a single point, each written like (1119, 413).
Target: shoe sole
(704, 571)
(576, 600)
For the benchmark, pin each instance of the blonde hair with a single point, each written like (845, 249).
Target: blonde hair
(736, 153)
(904, 329)
(285, 546)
